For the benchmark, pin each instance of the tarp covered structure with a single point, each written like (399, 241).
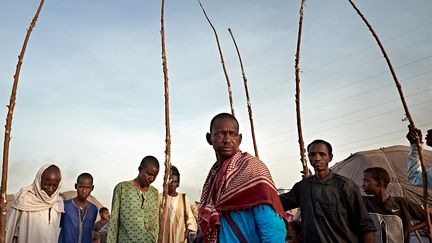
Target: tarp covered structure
(393, 159)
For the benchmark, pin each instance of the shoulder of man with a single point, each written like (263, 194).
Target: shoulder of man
(253, 161)
(304, 181)
(406, 202)
(153, 189)
(69, 207)
(93, 206)
(67, 202)
(344, 179)
(416, 209)
(124, 183)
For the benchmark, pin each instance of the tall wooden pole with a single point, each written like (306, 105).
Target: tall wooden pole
(297, 95)
(222, 60)
(164, 209)
(408, 115)
(8, 127)
(249, 106)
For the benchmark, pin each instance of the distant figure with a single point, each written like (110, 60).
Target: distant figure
(332, 208)
(413, 162)
(180, 224)
(35, 213)
(239, 202)
(134, 211)
(396, 212)
(104, 219)
(295, 232)
(80, 215)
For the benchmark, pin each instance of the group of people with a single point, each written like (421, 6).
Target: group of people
(239, 203)
(39, 214)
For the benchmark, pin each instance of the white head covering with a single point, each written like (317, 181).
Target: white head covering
(33, 198)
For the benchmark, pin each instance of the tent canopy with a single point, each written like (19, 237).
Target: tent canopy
(393, 159)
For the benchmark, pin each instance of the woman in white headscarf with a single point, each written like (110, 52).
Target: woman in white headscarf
(35, 213)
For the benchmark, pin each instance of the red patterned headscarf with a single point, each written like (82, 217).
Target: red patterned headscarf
(242, 182)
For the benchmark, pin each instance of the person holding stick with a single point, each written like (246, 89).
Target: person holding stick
(332, 208)
(239, 201)
(36, 211)
(134, 211)
(413, 161)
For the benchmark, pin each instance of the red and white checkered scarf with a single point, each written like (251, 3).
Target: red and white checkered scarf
(241, 183)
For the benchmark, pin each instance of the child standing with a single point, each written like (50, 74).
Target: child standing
(80, 215)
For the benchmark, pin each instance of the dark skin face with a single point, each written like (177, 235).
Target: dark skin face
(319, 158)
(370, 185)
(105, 215)
(225, 138)
(147, 174)
(50, 180)
(429, 137)
(374, 187)
(84, 187)
(173, 185)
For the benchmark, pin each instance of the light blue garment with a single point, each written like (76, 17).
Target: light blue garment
(414, 168)
(259, 224)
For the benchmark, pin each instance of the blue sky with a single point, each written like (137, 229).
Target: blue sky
(90, 96)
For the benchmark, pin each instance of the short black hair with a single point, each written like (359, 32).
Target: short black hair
(379, 174)
(327, 144)
(103, 209)
(223, 115)
(175, 172)
(84, 175)
(149, 160)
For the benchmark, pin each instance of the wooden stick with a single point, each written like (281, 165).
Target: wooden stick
(249, 106)
(297, 96)
(222, 59)
(164, 205)
(8, 127)
(408, 115)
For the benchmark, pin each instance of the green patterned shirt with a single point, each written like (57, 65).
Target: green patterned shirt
(133, 219)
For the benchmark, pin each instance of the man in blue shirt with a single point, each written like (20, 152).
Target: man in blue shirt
(80, 215)
(239, 202)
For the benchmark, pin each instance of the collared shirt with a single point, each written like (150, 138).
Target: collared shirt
(134, 214)
(77, 223)
(332, 209)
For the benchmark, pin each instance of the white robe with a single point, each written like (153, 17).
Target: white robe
(35, 216)
(174, 225)
(35, 226)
